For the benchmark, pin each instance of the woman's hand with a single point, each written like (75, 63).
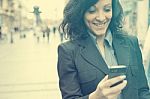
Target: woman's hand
(104, 91)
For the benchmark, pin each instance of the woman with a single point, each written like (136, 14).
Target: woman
(97, 43)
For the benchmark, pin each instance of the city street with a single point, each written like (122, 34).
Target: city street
(28, 69)
(29, 40)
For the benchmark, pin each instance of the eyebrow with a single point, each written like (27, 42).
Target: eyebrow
(107, 5)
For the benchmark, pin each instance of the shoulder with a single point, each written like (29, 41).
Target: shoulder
(128, 37)
(68, 47)
(132, 39)
(133, 42)
(68, 50)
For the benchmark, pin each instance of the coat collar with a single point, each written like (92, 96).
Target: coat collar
(91, 54)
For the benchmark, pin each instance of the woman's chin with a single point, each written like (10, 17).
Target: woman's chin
(100, 32)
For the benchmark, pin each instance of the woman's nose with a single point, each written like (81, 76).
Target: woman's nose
(100, 16)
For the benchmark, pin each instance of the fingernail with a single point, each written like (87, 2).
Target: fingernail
(125, 81)
(123, 77)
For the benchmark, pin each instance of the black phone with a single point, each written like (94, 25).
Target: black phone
(115, 71)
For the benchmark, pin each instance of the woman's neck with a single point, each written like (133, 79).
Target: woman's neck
(100, 39)
(100, 43)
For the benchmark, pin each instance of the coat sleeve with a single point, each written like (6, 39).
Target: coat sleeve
(143, 89)
(68, 77)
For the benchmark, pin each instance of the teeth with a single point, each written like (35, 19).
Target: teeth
(99, 24)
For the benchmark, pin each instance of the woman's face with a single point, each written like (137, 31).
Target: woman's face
(98, 17)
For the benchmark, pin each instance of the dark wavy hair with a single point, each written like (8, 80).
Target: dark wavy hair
(73, 25)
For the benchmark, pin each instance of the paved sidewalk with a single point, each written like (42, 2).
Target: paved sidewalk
(28, 69)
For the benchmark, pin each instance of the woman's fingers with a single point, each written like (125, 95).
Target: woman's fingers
(114, 80)
(118, 87)
(105, 90)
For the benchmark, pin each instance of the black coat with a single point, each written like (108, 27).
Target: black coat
(81, 68)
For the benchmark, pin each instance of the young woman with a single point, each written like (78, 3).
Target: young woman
(97, 42)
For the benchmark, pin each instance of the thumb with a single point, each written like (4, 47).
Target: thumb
(105, 78)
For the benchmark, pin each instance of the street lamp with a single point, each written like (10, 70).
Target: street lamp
(37, 15)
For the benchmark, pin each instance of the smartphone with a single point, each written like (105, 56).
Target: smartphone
(115, 71)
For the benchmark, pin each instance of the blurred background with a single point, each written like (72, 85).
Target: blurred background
(28, 44)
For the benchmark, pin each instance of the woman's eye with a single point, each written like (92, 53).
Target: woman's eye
(91, 9)
(108, 9)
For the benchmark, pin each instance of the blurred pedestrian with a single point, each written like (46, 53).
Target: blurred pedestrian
(0, 33)
(38, 33)
(54, 30)
(43, 31)
(96, 43)
(47, 33)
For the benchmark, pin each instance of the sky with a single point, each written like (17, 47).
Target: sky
(51, 9)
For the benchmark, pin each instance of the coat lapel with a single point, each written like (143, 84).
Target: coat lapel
(122, 51)
(91, 54)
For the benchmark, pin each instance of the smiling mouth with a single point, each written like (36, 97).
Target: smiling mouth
(100, 25)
